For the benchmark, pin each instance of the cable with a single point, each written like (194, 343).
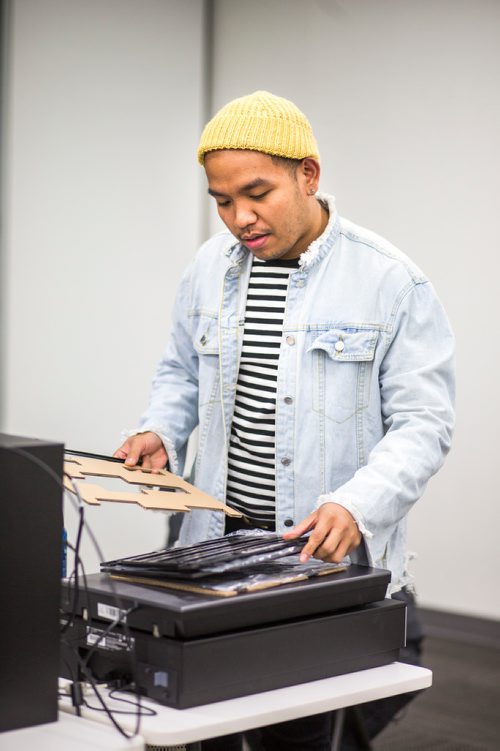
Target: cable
(84, 575)
(139, 712)
(69, 666)
(109, 712)
(151, 712)
(75, 570)
(145, 711)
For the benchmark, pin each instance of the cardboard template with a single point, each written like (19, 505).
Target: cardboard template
(176, 493)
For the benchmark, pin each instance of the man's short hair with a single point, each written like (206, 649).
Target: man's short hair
(290, 165)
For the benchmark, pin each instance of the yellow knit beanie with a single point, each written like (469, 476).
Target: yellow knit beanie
(260, 122)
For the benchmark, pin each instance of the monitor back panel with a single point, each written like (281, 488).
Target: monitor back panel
(30, 575)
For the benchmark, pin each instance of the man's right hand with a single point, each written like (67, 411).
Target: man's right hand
(147, 447)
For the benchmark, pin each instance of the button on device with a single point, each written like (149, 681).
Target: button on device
(286, 461)
(288, 522)
(288, 400)
(339, 346)
(290, 340)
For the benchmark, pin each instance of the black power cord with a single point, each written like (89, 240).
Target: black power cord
(76, 550)
(84, 574)
(90, 678)
(145, 711)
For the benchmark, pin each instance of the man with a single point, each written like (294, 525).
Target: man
(314, 356)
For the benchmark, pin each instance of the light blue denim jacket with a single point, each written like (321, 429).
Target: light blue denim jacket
(364, 407)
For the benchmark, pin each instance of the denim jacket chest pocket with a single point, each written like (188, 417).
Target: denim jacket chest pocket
(341, 367)
(206, 345)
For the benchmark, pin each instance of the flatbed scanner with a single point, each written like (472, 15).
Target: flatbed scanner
(184, 649)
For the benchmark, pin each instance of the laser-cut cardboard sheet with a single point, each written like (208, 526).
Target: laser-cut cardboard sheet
(182, 495)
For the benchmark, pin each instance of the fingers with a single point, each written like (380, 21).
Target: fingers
(334, 548)
(146, 462)
(136, 449)
(300, 529)
(317, 540)
(159, 459)
(334, 534)
(126, 451)
(147, 447)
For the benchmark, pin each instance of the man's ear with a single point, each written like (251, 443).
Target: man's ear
(308, 175)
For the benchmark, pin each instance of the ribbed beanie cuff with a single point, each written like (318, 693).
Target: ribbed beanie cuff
(260, 122)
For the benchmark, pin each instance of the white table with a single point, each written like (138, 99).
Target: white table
(70, 733)
(179, 726)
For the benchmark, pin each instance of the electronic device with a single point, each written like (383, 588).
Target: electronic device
(31, 523)
(185, 649)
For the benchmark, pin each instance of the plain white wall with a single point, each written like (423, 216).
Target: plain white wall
(102, 211)
(403, 98)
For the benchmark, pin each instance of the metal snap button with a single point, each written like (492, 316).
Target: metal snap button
(288, 400)
(339, 346)
(288, 522)
(290, 340)
(286, 461)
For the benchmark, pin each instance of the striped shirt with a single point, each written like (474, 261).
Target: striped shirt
(251, 484)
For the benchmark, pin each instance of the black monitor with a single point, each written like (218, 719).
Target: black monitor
(31, 523)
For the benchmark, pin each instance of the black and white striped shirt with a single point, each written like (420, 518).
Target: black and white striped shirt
(251, 481)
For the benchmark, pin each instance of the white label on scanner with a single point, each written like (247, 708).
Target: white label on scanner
(111, 641)
(110, 613)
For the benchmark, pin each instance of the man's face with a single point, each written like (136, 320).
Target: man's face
(262, 203)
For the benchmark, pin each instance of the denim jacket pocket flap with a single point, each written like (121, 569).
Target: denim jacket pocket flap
(206, 338)
(347, 345)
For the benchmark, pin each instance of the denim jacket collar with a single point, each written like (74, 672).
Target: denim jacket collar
(316, 251)
(322, 245)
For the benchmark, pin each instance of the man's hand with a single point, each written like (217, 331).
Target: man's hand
(145, 446)
(335, 534)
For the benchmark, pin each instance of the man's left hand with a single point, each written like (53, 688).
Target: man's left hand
(334, 534)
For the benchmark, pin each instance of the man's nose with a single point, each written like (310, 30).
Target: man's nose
(244, 216)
